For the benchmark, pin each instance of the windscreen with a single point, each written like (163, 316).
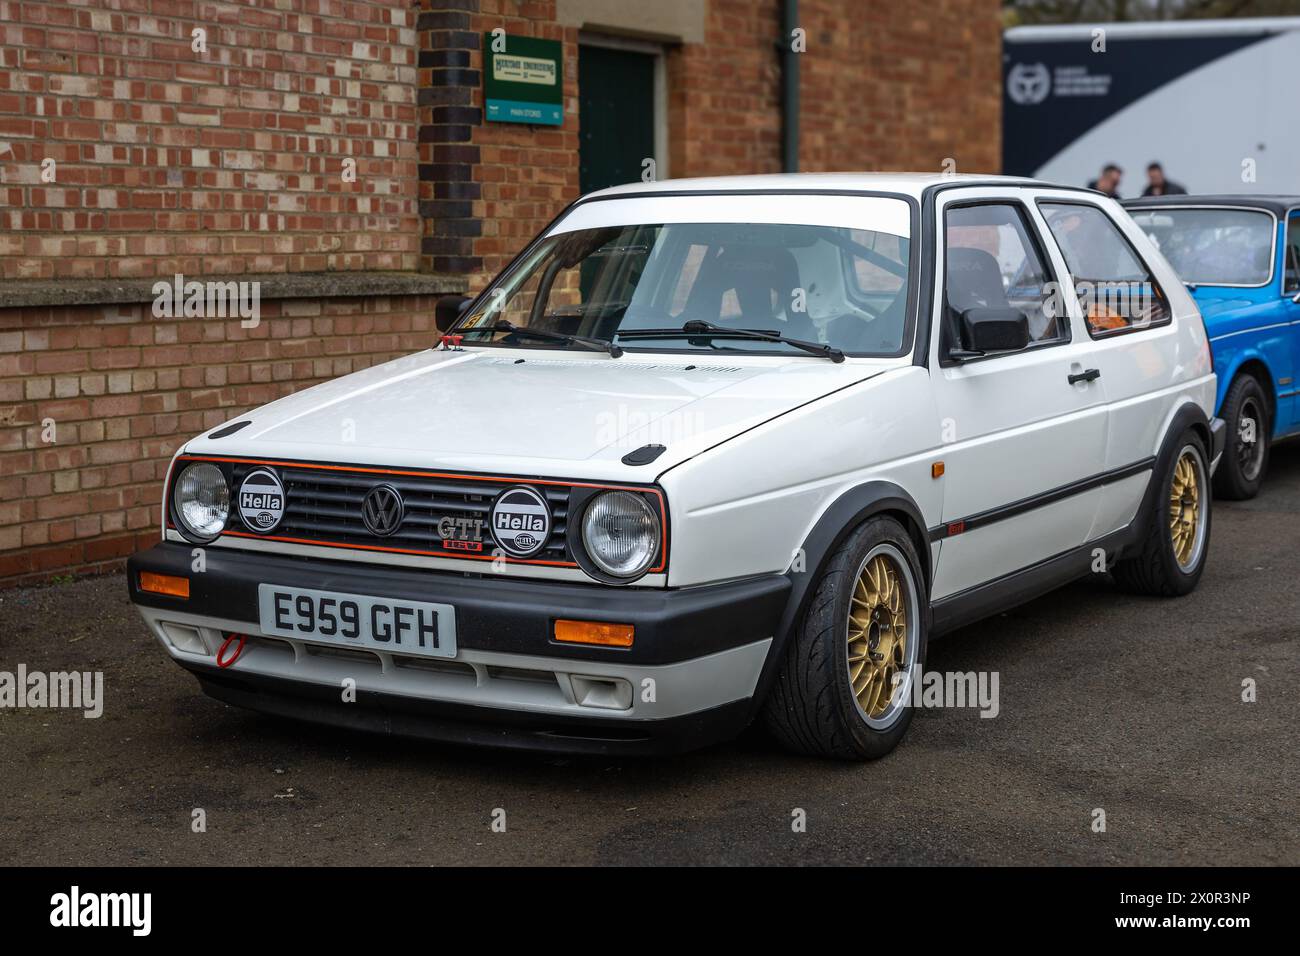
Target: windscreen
(827, 284)
(1212, 246)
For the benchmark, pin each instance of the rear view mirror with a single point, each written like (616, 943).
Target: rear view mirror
(448, 309)
(986, 330)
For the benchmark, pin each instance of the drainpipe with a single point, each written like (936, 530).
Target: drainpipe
(789, 89)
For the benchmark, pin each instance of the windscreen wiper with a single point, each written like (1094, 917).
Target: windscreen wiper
(697, 328)
(501, 325)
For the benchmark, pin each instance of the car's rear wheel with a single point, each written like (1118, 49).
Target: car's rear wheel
(845, 686)
(1245, 457)
(1174, 545)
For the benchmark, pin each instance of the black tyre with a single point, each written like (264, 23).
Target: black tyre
(1245, 453)
(836, 694)
(1170, 557)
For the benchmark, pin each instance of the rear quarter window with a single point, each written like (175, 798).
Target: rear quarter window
(1116, 290)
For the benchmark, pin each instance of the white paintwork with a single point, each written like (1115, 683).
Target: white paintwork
(558, 413)
(1151, 29)
(1021, 430)
(759, 447)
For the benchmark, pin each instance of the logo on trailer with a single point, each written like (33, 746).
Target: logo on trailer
(382, 510)
(521, 522)
(1029, 83)
(261, 500)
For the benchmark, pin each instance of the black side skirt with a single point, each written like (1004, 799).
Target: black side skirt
(1000, 594)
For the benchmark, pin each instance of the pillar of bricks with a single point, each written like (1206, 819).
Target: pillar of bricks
(448, 114)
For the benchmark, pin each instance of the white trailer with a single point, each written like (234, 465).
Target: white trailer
(1214, 101)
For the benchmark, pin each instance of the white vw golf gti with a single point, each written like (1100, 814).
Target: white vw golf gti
(706, 452)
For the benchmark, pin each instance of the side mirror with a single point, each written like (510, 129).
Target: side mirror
(448, 309)
(992, 330)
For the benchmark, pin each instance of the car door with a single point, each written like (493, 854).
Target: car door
(1287, 400)
(1020, 437)
(1141, 359)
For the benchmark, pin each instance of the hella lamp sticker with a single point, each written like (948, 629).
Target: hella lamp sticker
(261, 500)
(521, 522)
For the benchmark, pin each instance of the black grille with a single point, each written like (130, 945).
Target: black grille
(325, 506)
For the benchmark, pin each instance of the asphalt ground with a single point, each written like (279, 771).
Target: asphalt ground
(1131, 706)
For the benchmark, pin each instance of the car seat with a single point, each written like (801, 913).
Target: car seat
(754, 274)
(974, 281)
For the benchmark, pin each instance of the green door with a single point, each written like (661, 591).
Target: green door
(616, 116)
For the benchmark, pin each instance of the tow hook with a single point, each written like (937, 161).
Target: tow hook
(230, 639)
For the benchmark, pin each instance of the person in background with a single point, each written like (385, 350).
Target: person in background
(1108, 181)
(1157, 185)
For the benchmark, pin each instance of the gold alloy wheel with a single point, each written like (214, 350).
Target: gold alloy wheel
(877, 633)
(1185, 508)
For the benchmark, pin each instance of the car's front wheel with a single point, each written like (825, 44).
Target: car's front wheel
(1171, 554)
(1245, 457)
(845, 686)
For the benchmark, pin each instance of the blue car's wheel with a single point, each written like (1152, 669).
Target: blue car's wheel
(1245, 455)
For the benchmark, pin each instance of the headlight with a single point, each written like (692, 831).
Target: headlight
(202, 500)
(621, 533)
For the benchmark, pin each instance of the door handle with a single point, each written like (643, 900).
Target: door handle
(1090, 375)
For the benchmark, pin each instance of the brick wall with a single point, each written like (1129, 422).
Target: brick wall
(487, 188)
(723, 106)
(902, 86)
(725, 94)
(883, 87)
(123, 390)
(525, 175)
(226, 161)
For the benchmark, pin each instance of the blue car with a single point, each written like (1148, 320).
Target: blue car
(1240, 258)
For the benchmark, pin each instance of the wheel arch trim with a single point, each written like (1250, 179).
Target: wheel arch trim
(837, 522)
(1184, 416)
(1246, 362)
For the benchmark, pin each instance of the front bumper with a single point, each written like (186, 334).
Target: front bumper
(687, 681)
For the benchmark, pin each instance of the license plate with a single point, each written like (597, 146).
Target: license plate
(355, 620)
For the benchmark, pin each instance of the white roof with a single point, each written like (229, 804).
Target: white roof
(1073, 32)
(907, 184)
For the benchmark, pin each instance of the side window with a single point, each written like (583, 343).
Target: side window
(1116, 290)
(991, 260)
(1291, 273)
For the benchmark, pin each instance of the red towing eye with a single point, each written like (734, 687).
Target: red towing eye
(230, 639)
